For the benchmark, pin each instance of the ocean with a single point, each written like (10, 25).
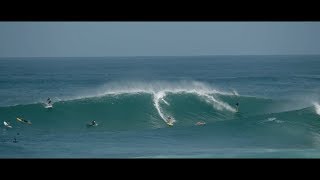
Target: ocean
(130, 98)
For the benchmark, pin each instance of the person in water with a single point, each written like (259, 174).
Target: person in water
(93, 123)
(24, 120)
(49, 100)
(237, 105)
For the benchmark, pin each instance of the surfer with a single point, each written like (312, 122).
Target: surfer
(169, 119)
(7, 124)
(21, 119)
(93, 123)
(24, 120)
(237, 106)
(48, 101)
(15, 140)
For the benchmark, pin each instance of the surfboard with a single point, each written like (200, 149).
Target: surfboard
(170, 123)
(90, 125)
(23, 121)
(48, 106)
(199, 123)
(7, 124)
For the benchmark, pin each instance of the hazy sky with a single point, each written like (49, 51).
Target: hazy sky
(65, 39)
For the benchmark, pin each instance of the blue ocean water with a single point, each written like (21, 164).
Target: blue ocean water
(131, 98)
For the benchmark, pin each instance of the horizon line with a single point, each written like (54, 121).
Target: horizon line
(162, 55)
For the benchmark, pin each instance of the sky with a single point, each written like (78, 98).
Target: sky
(96, 39)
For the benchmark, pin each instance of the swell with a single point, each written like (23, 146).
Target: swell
(120, 111)
(136, 110)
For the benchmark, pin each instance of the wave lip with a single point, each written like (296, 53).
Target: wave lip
(317, 107)
(131, 87)
(160, 89)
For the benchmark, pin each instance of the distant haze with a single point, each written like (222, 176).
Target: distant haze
(95, 39)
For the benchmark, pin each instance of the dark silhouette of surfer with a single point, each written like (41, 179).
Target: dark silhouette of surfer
(237, 106)
(48, 101)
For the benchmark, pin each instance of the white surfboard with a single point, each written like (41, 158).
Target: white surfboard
(48, 106)
(7, 124)
(169, 122)
(24, 121)
(199, 123)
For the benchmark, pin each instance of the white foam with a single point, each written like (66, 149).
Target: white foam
(219, 105)
(235, 92)
(159, 89)
(271, 119)
(317, 107)
(115, 88)
(165, 102)
(156, 98)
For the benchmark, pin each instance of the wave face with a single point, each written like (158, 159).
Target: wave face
(139, 107)
(130, 108)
